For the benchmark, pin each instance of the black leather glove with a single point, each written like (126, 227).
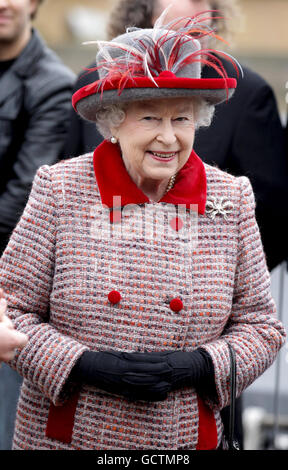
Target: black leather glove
(145, 376)
(193, 368)
(143, 379)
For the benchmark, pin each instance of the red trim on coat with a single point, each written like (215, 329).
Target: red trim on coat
(207, 429)
(61, 420)
(190, 186)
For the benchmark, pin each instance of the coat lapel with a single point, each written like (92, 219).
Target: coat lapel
(9, 84)
(23, 67)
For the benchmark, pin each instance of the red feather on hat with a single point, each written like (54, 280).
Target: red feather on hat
(150, 55)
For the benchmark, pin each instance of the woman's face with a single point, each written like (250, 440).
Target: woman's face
(156, 137)
(185, 8)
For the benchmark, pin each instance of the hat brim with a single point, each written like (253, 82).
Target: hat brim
(87, 101)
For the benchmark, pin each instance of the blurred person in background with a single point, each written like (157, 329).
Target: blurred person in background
(35, 96)
(245, 138)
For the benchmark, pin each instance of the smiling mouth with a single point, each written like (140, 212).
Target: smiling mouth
(163, 155)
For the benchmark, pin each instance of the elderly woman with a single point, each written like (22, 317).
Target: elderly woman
(133, 269)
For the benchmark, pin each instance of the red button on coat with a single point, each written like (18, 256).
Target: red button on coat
(114, 297)
(176, 305)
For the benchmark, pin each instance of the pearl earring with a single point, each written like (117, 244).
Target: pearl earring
(113, 140)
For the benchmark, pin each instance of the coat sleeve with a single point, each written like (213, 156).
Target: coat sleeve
(252, 329)
(26, 275)
(47, 108)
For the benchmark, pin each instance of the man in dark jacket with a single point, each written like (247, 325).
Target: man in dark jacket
(35, 97)
(246, 136)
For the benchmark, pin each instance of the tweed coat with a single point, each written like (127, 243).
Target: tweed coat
(61, 264)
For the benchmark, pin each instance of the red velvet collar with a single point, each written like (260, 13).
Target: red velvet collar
(114, 180)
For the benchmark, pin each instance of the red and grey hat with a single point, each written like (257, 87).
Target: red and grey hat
(162, 62)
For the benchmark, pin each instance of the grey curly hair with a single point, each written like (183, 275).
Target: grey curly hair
(139, 13)
(114, 115)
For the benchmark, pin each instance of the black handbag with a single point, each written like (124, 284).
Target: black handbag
(230, 442)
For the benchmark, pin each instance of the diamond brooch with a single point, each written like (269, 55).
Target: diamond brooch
(220, 206)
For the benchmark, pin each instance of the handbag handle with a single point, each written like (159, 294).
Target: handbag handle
(232, 443)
